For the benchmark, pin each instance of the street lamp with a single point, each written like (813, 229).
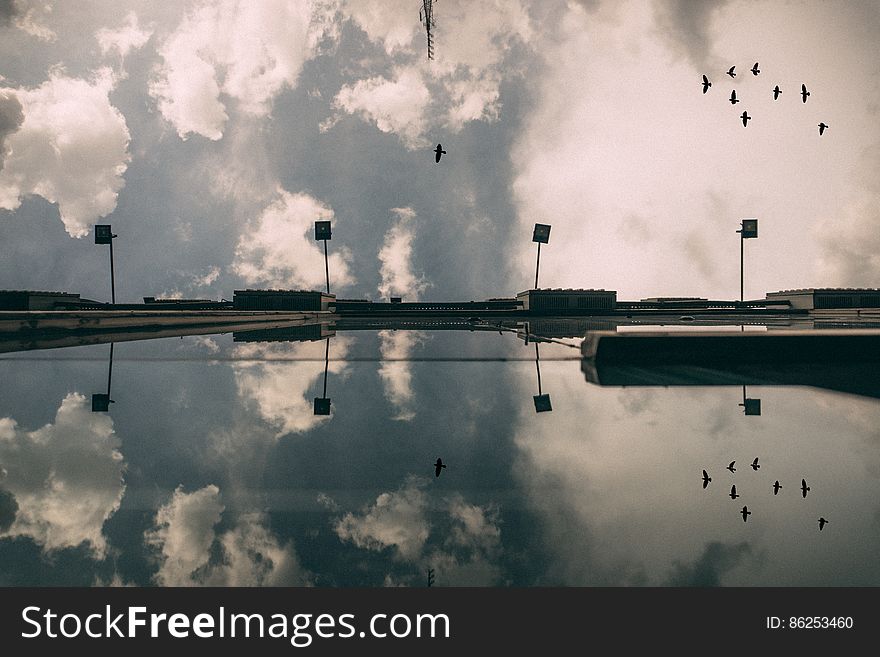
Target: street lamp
(541, 235)
(322, 404)
(322, 233)
(750, 406)
(542, 402)
(100, 401)
(104, 235)
(748, 229)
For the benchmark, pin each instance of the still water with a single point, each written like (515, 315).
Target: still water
(211, 467)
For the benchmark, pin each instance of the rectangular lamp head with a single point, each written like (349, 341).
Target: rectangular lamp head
(749, 228)
(322, 230)
(322, 406)
(100, 403)
(103, 234)
(541, 234)
(752, 406)
(542, 403)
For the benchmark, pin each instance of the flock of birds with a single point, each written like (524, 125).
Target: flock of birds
(734, 100)
(776, 488)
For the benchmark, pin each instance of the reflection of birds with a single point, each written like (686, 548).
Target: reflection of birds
(438, 152)
(733, 99)
(776, 92)
(776, 487)
(438, 466)
(706, 84)
(745, 513)
(706, 478)
(755, 465)
(730, 72)
(745, 117)
(733, 493)
(755, 69)
(804, 92)
(822, 127)
(730, 466)
(804, 487)
(822, 523)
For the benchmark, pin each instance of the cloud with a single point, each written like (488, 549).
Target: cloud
(11, 118)
(191, 553)
(247, 52)
(71, 149)
(122, 40)
(282, 378)
(7, 11)
(396, 374)
(66, 477)
(8, 509)
(32, 21)
(460, 541)
(717, 559)
(688, 27)
(278, 248)
(396, 270)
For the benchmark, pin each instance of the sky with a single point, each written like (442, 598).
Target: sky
(211, 134)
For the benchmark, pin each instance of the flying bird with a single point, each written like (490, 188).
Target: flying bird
(438, 466)
(438, 152)
(730, 72)
(706, 84)
(822, 523)
(706, 478)
(745, 117)
(755, 465)
(804, 92)
(745, 513)
(733, 99)
(776, 92)
(822, 127)
(755, 69)
(776, 487)
(733, 493)
(730, 466)
(804, 487)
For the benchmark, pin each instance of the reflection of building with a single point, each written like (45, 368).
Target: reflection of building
(35, 300)
(305, 333)
(562, 301)
(820, 298)
(282, 300)
(565, 327)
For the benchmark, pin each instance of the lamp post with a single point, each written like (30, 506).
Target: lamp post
(541, 235)
(104, 235)
(323, 233)
(542, 401)
(100, 401)
(322, 404)
(748, 229)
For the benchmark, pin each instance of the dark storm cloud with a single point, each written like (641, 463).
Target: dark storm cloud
(7, 11)
(717, 559)
(8, 509)
(687, 25)
(11, 114)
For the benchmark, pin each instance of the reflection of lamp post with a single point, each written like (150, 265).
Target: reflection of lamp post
(104, 235)
(542, 402)
(541, 235)
(322, 232)
(100, 401)
(750, 406)
(748, 229)
(322, 404)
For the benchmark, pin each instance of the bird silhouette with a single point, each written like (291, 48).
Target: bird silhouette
(733, 493)
(706, 84)
(804, 487)
(730, 72)
(733, 99)
(706, 478)
(822, 127)
(804, 92)
(438, 152)
(438, 466)
(755, 69)
(776, 487)
(755, 465)
(822, 523)
(745, 117)
(745, 513)
(776, 92)
(730, 466)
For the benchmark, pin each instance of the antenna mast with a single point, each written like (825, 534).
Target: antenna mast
(426, 16)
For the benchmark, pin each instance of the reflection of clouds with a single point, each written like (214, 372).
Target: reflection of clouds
(396, 373)
(459, 540)
(283, 390)
(8, 509)
(618, 498)
(192, 553)
(66, 477)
